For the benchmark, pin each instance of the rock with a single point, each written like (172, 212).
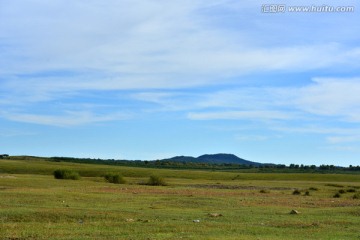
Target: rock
(294, 212)
(130, 220)
(196, 221)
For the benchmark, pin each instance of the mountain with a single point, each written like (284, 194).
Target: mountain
(219, 158)
(181, 159)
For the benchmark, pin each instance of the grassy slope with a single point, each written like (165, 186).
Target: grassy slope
(38, 166)
(33, 205)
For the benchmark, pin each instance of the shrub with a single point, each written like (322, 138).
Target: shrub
(296, 192)
(351, 190)
(334, 185)
(156, 181)
(313, 189)
(236, 177)
(114, 178)
(341, 191)
(356, 196)
(337, 195)
(307, 193)
(66, 174)
(264, 191)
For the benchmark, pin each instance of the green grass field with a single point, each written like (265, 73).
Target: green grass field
(34, 205)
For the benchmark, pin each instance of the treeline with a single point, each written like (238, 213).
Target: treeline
(153, 164)
(212, 166)
(311, 168)
(267, 168)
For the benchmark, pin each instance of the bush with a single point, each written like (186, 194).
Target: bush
(341, 191)
(264, 191)
(114, 178)
(156, 181)
(356, 196)
(334, 185)
(296, 192)
(313, 189)
(337, 195)
(66, 174)
(351, 190)
(307, 193)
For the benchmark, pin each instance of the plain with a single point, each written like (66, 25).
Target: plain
(193, 205)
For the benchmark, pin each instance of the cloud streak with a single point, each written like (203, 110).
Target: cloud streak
(249, 115)
(137, 45)
(335, 97)
(332, 97)
(65, 120)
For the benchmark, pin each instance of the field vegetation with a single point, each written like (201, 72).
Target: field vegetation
(115, 178)
(194, 204)
(66, 174)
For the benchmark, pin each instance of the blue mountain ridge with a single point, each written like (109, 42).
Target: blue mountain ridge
(219, 158)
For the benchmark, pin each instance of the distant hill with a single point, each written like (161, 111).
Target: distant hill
(219, 158)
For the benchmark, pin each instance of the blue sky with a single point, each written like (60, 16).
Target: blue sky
(135, 79)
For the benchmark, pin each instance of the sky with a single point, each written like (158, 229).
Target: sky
(136, 79)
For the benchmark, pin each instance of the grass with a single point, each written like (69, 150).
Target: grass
(39, 166)
(37, 206)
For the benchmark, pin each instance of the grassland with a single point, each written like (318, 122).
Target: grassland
(34, 205)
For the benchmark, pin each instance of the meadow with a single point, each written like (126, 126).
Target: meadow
(193, 205)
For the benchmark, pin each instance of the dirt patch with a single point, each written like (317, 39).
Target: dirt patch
(7, 176)
(189, 192)
(221, 186)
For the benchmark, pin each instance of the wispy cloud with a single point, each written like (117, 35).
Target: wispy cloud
(64, 120)
(13, 133)
(331, 97)
(249, 115)
(318, 128)
(342, 149)
(327, 107)
(251, 138)
(336, 97)
(137, 45)
(343, 139)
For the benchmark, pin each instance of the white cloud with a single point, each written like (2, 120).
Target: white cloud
(350, 149)
(137, 44)
(338, 97)
(324, 97)
(343, 139)
(67, 119)
(52, 51)
(250, 115)
(318, 129)
(252, 138)
(10, 133)
(166, 101)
